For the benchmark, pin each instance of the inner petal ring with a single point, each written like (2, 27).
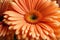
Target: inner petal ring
(33, 17)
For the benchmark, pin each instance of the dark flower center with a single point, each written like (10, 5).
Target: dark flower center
(33, 17)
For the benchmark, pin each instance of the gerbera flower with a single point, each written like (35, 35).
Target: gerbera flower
(35, 19)
(4, 27)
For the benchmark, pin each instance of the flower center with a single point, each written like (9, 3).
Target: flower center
(33, 17)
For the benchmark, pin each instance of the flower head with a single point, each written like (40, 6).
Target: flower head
(35, 19)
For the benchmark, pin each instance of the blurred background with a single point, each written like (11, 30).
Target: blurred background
(58, 1)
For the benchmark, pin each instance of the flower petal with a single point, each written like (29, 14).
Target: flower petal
(17, 8)
(41, 33)
(13, 14)
(22, 2)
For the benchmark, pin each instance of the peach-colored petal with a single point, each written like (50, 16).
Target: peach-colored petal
(54, 23)
(23, 4)
(32, 31)
(30, 4)
(34, 3)
(41, 3)
(17, 2)
(46, 4)
(51, 8)
(37, 5)
(12, 13)
(15, 18)
(45, 31)
(23, 31)
(41, 33)
(17, 8)
(46, 27)
(36, 32)
(26, 30)
(18, 26)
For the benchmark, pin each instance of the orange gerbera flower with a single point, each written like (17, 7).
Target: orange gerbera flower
(4, 27)
(35, 19)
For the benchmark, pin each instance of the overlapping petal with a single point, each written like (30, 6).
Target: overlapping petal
(4, 27)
